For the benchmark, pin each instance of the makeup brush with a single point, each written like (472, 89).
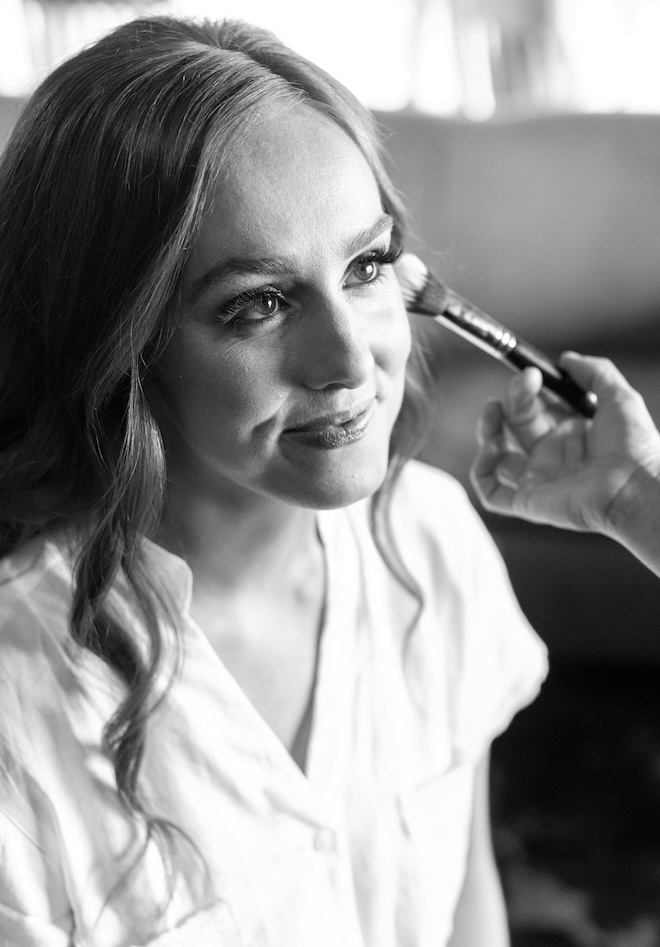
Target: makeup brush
(423, 293)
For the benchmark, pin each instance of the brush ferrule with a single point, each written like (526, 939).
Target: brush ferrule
(477, 326)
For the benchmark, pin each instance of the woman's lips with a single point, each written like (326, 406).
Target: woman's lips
(333, 430)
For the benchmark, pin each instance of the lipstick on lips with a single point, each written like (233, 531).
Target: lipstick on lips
(337, 429)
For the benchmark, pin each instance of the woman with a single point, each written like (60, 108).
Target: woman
(251, 665)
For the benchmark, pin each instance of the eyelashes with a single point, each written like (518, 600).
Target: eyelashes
(265, 301)
(258, 307)
(380, 256)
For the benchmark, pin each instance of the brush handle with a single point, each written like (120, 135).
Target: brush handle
(523, 355)
(486, 333)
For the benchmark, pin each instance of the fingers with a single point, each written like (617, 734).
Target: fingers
(599, 375)
(494, 479)
(490, 424)
(508, 434)
(618, 400)
(496, 470)
(521, 398)
(527, 415)
(494, 497)
(511, 470)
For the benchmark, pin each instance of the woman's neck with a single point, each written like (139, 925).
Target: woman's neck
(236, 544)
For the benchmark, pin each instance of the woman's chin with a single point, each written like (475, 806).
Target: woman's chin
(333, 490)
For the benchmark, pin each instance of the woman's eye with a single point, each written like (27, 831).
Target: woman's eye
(253, 307)
(364, 271)
(267, 304)
(369, 267)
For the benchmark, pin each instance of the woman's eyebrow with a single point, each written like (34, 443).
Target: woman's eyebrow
(240, 266)
(237, 266)
(361, 240)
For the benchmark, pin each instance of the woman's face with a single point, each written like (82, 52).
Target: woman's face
(286, 370)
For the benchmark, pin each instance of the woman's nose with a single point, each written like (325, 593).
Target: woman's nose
(339, 346)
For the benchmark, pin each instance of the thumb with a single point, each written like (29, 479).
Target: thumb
(599, 375)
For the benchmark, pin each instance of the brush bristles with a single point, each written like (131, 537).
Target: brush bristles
(422, 291)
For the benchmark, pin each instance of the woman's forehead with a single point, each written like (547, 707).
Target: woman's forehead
(294, 178)
(286, 145)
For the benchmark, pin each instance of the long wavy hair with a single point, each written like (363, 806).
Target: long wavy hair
(103, 188)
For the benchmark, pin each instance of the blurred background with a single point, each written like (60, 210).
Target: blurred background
(525, 137)
(478, 58)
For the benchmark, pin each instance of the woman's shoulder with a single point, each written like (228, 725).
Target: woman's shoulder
(442, 538)
(53, 693)
(429, 513)
(494, 662)
(35, 600)
(35, 586)
(420, 484)
(35, 603)
(430, 503)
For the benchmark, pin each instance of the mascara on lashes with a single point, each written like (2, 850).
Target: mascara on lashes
(230, 311)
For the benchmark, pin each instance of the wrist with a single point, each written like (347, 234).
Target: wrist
(634, 515)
